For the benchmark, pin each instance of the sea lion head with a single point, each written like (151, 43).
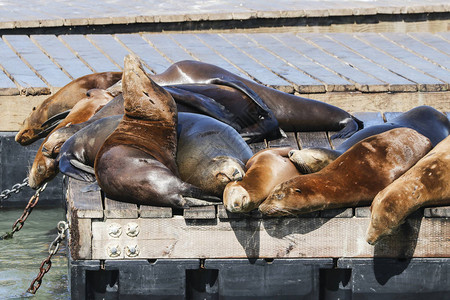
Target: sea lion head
(311, 160)
(237, 199)
(54, 142)
(43, 169)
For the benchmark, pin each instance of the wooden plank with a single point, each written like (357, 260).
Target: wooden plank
(434, 40)
(193, 45)
(7, 86)
(300, 80)
(200, 212)
(146, 211)
(407, 57)
(360, 79)
(254, 69)
(437, 212)
(120, 210)
(152, 58)
(389, 116)
(59, 53)
(362, 212)
(411, 44)
(86, 205)
(388, 62)
(109, 46)
(332, 81)
(40, 62)
(256, 147)
(289, 141)
(337, 213)
(88, 53)
(80, 238)
(167, 47)
(272, 237)
(20, 72)
(313, 139)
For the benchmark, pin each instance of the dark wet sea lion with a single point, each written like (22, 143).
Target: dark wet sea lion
(137, 161)
(44, 166)
(63, 100)
(265, 170)
(354, 178)
(425, 184)
(293, 113)
(424, 119)
(210, 153)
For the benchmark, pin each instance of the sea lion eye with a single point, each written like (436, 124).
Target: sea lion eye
(298, 191)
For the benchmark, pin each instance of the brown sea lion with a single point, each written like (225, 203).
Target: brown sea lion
(427, 183)
(354, 178)
(62, 101)
(210, 153)
(44, 167)
(137, 161)
(424, 119)
(265, 170)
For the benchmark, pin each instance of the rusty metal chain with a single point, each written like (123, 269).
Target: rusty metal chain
(15, 189)
(47, 263)
(26, 212)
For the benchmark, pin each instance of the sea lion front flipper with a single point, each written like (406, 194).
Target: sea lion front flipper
(67, 168)
(350, 126)
(193, 202)
(55, 119)
(205, 104)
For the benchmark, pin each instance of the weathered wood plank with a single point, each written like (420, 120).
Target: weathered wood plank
(7, 86)
(40, 62)
(313, 139)
(146, 211)
(272, 237)
(332, 81)
(409, 58)
(61, 55)
(437, 212)
(80, 241)
(84, 204)
(337, 213)
(109, 46)
(409, 43)
(19, 71)
(289, 141)
(86, 51)
(120, 210)
(360, 79)
(152, 58)
(200, 212)
(362, 212)
(167, 47)
(273, 63)
(254, 69)
(256, 147)
(386, 61)
(193, 45)
(434, 41)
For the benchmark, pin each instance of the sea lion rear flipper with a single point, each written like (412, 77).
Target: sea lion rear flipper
(350, 126)
(205, 104)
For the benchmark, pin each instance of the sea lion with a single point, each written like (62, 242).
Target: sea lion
(62, 101)
(425, 184)
(137, 162)
(293, 113)
(354, 178)
(424, 119)
(265, 170)
(210, 153)
(44, 167)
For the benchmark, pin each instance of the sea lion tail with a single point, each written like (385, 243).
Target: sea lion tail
(350, 126)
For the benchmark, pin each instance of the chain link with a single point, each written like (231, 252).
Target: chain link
(15, 189)
(47, 263)
(18, 224)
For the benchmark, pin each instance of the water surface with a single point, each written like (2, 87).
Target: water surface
(21, 256)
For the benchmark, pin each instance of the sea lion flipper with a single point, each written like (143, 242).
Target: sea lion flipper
(350, 126)
(192, 202)
(205, 104)
(55, 118)
(67, 168)
(94, 187)
(82, 166)
(244, 89)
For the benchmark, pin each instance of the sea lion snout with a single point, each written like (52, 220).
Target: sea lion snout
(237, 199)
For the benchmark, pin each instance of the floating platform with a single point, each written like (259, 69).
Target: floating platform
(241, 255)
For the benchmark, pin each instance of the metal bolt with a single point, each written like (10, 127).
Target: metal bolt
(132, 251)
(132, 229)
(114, 251)
(114, 230)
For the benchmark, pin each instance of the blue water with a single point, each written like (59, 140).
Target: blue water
(21, 256)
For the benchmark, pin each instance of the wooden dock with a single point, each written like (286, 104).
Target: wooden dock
(103, 229)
